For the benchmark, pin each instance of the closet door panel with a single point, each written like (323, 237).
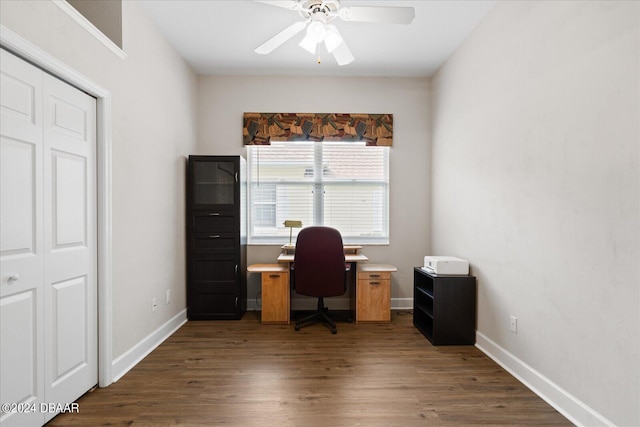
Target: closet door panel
(69, 301)
(48, 241)
(21, 308)
(70, 204)
(70, 284)
(21, 228)
(21, 382)
(20, 99)
(21, 240)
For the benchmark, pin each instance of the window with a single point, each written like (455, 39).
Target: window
(339, 184)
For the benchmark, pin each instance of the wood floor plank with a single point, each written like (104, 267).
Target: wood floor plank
(243, 373)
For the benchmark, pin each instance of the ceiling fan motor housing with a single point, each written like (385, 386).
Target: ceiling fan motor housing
(312, 8)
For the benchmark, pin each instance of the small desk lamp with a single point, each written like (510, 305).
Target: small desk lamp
(292, 224)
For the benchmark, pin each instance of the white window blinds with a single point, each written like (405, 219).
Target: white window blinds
(339, 184)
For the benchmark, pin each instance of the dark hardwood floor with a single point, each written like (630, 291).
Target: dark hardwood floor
(241, 373)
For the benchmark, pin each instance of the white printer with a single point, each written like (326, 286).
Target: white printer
(446, 266)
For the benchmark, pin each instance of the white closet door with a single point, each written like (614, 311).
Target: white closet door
(48, 316)
(70, 255)
(21, 241)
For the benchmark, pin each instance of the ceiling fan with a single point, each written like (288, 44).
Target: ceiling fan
(318, 13)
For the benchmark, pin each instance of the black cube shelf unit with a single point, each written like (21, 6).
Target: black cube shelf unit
(444, 307)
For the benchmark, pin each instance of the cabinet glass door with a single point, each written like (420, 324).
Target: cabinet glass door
(214, 182)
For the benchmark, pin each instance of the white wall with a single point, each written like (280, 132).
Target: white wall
(535, 181)
(223, 100)
(153, 105)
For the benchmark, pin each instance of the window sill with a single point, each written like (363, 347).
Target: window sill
(346, 243)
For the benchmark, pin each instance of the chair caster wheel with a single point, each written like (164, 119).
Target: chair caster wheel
(334, 331)
(297, 328)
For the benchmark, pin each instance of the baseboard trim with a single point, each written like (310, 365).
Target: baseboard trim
(564, 402)
(124, 363)
(401, 303)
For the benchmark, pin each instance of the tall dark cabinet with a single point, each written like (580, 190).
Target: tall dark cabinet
(216, 237)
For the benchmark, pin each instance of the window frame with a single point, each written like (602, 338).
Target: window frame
(318, 183)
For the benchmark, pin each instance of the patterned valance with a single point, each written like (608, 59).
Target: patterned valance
(262, 128)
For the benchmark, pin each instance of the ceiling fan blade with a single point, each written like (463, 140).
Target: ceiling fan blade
(391, 15)
(342, 54)
(285, 4)
(281, 37)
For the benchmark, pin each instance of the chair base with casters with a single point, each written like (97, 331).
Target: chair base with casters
(320, 315)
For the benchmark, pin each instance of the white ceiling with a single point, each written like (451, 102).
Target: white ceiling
(218, 37)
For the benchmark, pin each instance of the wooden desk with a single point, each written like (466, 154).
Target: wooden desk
(352, 249)
(347, 258)
(348, 249)
(369, 289)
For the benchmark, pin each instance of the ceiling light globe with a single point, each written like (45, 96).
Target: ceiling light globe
(308, 45)
(333, 39)
(317, 31)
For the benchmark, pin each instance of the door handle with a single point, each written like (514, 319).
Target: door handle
(214, 214)
(13, 278)
(215, 236)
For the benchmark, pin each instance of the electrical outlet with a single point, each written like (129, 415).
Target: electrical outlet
(167, 298)
(154, 305)
(514, 324)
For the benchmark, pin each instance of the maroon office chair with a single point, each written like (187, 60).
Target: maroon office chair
(319, 270)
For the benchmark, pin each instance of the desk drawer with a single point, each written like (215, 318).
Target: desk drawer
(374, 275)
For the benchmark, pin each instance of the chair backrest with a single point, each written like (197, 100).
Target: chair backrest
(318, 266)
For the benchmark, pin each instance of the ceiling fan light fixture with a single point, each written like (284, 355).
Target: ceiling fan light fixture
(317, 30)
(318, 13)
(333, 39)
(308, 44)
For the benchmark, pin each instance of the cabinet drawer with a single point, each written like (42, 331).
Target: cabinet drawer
(213, 221)
(212, 243)
(374, 275)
